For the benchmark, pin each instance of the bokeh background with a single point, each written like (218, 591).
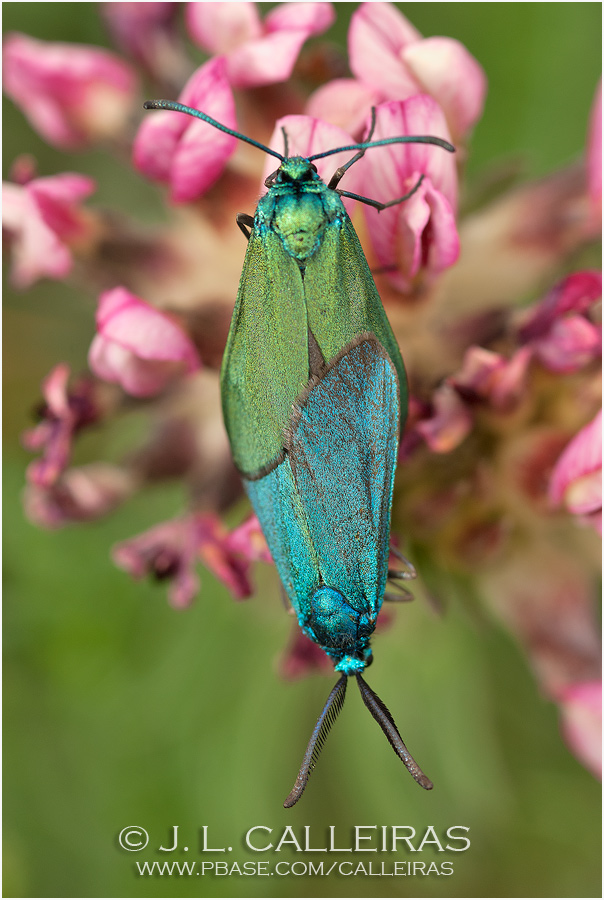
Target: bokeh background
(121, 711)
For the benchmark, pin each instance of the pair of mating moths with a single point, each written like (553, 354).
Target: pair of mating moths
(314, 398)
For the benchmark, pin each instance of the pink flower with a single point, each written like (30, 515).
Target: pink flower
(489, 376)
(138, 346)
(171, 550)
(420, 234)
(302, 657)
(255, 52)
(78, 495)
(388, 54)
(558, 328)
(343, 102)
(576, 481)
(65, 412)
(450, 422)
(248, 541)
(73, 95)
(167, 552)
(139, 28)
(581, 708)
(42, 218)
(218, 555)
(185, 152)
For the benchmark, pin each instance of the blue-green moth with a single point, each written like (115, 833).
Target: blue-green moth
(314, 399)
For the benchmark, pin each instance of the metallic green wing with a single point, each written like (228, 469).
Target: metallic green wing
(265, 364)
(343, 302)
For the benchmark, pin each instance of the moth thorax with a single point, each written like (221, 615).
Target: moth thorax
(300, 222)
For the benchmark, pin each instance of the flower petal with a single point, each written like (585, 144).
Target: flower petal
(378, 32)
(135, 342)
(167, 551)
(421, 232)
(581, 708)
(59, 87)
(36, 250)
(267, 60)
(344, 102)
(222, 27)
(188, 153)
(311, 18)
(575, 293)
(446, 70)
(572, 343)
(576, 480)
(214, 550)
(203, 151)
(450, 422)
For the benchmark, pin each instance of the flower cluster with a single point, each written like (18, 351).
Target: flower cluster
(501, 482)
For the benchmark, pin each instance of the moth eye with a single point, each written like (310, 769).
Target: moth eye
(313, 167)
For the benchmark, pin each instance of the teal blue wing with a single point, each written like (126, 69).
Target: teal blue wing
(325, 510)
(283, 517)
(342, 448)
(265, 364)
(343, 301)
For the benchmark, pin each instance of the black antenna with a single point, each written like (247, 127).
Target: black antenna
(174, 106)
(381, 714)
(334, 704)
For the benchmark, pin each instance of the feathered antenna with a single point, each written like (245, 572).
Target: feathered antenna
(381, 714)
(334, 704)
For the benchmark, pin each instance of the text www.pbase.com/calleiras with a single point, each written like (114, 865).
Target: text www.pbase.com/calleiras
(296, 868)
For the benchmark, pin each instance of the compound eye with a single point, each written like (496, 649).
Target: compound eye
(313, 167)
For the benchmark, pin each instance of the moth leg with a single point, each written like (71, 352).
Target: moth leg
(376, 203)
(404, 596)
(338, 174)
(409, 571)
(245, 221)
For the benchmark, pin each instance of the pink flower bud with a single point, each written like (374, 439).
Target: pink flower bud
(185, 152)
(138, 346)
(576, 481)
(581, 709)
(558, 328)
(219, 556)
(170, 551)
(256, 53)
(302, 657)
(420, 234)
(66, 411)
(491, 377)
(248, 541)
(78, 495)
(139, 28)
(72, 94)
(449, 423)
(343, 102)
(389, 54)
(42, 219)
(167, 552)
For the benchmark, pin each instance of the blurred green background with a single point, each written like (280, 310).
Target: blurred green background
(120, 711)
